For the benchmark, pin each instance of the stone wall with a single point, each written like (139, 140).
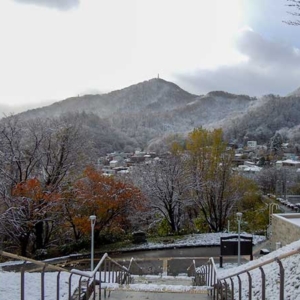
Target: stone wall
(284, 230)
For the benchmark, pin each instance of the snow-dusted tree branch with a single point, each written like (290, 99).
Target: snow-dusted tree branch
(295, 12)
(163, 182)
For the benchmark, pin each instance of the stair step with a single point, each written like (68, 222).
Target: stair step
(158, 288)
(163, 280)
(140, 295)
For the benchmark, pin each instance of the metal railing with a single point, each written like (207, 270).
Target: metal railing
(134, 267)
(207, 275)
(192, 269)
(108, 271)
(80, 284)
(230, 287)
(199, 278)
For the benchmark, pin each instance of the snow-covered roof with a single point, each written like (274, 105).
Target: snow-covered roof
(123, 171)
(113, 162)
(288, 161)
(246, 168)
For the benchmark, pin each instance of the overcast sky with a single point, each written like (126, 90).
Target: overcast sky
(54, 49)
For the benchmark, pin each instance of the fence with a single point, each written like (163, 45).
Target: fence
(224, 288)
(79, 285)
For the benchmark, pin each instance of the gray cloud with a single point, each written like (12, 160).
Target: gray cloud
(57, 4)
(271, 68)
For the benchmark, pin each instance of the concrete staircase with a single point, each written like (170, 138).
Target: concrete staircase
(156, 288)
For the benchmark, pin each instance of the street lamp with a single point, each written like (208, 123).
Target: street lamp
(271, 211)
(285, 189)
(93, 221)
(239, 218)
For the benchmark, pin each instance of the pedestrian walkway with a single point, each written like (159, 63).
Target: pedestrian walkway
(157, 288)
(121, 295)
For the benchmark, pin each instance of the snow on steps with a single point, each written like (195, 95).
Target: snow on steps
(160, 288)
(160, 284)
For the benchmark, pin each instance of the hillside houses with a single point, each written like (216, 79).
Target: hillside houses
(290, 163)
(120, 162)
(248, 161)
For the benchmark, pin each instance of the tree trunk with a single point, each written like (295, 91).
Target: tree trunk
(24, 240)
(39, 229)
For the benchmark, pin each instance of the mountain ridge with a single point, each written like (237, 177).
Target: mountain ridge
(155, 108)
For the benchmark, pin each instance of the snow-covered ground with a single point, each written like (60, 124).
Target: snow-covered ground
(10, 281)
(10, 285)
(193, 240)
(291, 275)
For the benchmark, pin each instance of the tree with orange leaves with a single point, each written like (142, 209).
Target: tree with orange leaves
(111, 200)
(29, 217)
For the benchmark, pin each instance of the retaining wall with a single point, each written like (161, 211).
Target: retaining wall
(285, 229)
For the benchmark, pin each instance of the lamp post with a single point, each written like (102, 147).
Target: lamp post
(93, 221)
(285, 189)
(239, 218)
(271, 211)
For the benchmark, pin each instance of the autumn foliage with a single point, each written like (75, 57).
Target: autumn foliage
(30, 220)
(112, 201)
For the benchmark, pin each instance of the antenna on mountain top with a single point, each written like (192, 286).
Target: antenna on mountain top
(158, 76)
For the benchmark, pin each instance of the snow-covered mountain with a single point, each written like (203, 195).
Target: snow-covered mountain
(153, 109)
(153, 96)
(268, 115)
(295, 93)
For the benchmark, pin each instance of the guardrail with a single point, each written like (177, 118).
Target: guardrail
(199, 278)
(224, 288)
(106, 271)
(133, 263)
(109, 271)
(207, 275)
(192, 269)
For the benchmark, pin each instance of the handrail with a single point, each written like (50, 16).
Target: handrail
(224, 286)
(109, 271)
(89, 283)
(274, 259)
(37, 262)
(132, 260)
(213, 263)
(117, 264)
(91, 274)
(192, 269)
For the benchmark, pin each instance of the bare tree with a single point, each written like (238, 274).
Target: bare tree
(295, 5)
(52, 151)
(163, 182)
(19, 153)
(276, 180)
(64, 149)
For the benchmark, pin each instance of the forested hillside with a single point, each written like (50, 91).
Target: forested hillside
(269, 115)
(155, 109)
